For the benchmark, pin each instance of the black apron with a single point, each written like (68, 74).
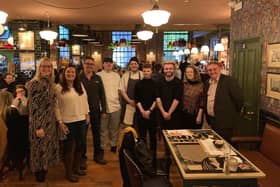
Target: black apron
(130, 92)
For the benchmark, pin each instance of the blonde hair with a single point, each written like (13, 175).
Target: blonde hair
(6, 99)
(38, 73)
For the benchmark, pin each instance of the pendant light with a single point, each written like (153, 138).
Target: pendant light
(48, 34)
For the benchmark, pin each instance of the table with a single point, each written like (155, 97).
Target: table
(200, 162)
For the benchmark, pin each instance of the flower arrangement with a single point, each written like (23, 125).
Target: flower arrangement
(121, 43)
(178, 43)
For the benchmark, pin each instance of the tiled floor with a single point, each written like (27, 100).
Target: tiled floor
(97, 175)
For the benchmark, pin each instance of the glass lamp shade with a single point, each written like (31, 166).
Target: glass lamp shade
(144, 35)
(48, 34)
(194, 50)
(156, 17)
(204, 49)
(187, 51)
(180, 52)
(3, 17)
(219, 47)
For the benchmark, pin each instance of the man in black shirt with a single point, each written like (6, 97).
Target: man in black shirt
(145, 96)
(168, 98)
(96, 98)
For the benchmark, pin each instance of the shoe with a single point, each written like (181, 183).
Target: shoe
(114, 149)
(72, 178)
(80, 172)
(40, 175)
(83, 165)
(100, 161)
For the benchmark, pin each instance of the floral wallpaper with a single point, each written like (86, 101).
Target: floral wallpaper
(259, 18)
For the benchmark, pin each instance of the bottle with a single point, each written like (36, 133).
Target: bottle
(226, 166)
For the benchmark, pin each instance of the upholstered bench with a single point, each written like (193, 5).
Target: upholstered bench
(267, 157)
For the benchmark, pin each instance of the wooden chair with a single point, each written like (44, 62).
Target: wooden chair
(138, 179)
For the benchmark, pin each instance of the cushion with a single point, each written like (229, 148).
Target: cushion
(270, 143)
(271, 169)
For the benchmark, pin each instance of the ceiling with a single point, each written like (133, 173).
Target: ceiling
(117, 14)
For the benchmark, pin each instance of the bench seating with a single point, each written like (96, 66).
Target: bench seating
(267, 157)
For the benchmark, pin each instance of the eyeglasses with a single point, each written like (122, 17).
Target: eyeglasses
(19, 91)
(46, 66)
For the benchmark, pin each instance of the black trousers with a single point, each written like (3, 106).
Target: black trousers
(148, 125)
(95, 129)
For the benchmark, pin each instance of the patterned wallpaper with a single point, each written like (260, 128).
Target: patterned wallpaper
(259, 18)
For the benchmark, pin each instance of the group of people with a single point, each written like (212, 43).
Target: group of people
(64, 111)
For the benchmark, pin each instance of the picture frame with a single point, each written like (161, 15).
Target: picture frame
(273, 85)
(27, 61)
(273, 55)
(26, 40)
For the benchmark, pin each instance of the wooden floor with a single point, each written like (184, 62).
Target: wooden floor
(97, 175)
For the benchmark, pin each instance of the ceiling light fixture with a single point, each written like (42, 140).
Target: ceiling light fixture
(144, 35)
(80, 35)
(48, 34)
(156, 17)
(3, 17)
(219, 46)
(204, 49)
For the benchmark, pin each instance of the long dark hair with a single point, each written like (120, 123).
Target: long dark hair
(76, 84)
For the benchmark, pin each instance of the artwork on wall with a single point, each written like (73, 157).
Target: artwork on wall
(26, 40)
(273, 55)
(27, 61)
(76, 50)
(273, 85)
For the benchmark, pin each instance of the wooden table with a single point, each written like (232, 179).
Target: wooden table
(201, 163)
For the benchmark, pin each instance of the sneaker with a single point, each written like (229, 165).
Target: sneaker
(114, 149)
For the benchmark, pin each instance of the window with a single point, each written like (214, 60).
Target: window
(172, 53)
(121, 55)
(64, 52)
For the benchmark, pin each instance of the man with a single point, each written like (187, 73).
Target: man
(168, 98)
(127, 85)
(145, 96)
(8, 83)
(96, 98)
(224, 101)
(111, 122)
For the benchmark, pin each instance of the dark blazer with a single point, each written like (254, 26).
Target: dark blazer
(228, 102)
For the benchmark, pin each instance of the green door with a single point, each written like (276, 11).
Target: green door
(246, 68)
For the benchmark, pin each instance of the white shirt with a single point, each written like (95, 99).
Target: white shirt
(72, 107)
(125, 77)
(111, 81)
(211, 96)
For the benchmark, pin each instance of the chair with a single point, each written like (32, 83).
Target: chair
(127, 140)
(138, 179)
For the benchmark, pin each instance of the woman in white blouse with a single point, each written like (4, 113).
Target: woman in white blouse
(72, 115)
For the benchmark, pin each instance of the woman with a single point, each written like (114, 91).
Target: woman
(192, 99)
(17, 134)
(73, 116)
(43, 131)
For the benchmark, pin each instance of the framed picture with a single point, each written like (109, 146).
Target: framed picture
(26, 40)
(76, 49)
(27, 61)
(273, 55)
(273, 85)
